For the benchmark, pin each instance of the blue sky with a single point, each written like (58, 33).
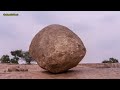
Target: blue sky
(99, 30)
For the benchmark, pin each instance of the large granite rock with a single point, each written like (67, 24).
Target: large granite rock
(57, 49)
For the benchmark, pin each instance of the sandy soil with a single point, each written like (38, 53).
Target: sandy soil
(81, 71)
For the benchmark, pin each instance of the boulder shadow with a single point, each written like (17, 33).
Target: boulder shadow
(66, 72)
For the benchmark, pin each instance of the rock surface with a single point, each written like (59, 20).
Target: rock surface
(57, 49)
(81, 71)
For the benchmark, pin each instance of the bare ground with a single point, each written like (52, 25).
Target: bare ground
(81, 71)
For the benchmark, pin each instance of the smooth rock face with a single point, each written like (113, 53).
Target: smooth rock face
(57, 49)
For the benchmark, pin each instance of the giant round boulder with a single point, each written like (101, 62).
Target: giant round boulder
(57, 49)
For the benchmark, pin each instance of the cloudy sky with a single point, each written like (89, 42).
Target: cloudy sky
(99, 30)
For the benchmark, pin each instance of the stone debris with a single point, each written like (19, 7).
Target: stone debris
(17, 68)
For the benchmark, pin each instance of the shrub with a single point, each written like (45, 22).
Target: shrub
(5, 59)
(14, 60)
(111, 60)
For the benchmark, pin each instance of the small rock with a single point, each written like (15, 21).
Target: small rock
(17, 68)
(4, 70)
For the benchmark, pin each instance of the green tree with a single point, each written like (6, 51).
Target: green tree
(5, 59)
(111, 60)
(14, 60)
(16, 54)
(27, 57)
(21, 54)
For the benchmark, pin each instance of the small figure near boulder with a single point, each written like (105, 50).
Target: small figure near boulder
(57, 49)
